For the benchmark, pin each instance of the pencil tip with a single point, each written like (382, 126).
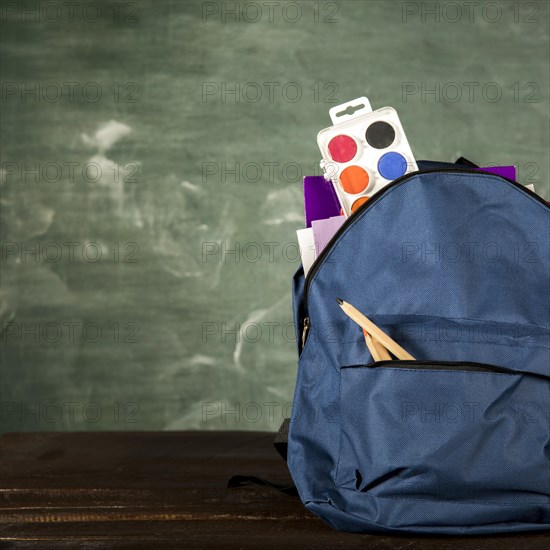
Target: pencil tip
(340, 301)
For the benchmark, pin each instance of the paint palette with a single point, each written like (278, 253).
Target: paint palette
(364, 151)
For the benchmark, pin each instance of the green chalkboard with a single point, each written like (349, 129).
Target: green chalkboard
(152, 155)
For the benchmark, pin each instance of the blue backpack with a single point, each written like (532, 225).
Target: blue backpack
(454, 265)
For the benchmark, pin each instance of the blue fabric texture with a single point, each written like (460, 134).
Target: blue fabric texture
(455, 267)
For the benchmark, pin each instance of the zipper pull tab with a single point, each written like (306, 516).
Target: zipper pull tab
(305, 330)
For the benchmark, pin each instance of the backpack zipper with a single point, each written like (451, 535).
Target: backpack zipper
(450, 366)
(444, 365)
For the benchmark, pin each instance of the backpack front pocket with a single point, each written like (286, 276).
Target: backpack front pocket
(448, 435)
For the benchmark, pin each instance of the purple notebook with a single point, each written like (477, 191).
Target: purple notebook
(320, 200)
(506, 171)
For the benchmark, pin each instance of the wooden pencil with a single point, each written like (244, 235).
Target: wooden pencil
(382, 351)
(370, 344)
(375, 331)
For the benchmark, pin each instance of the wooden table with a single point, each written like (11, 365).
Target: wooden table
(168, 490)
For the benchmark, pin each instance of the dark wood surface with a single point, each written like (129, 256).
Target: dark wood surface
(168, 490)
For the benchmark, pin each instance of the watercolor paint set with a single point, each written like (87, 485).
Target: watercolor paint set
(363, 151)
